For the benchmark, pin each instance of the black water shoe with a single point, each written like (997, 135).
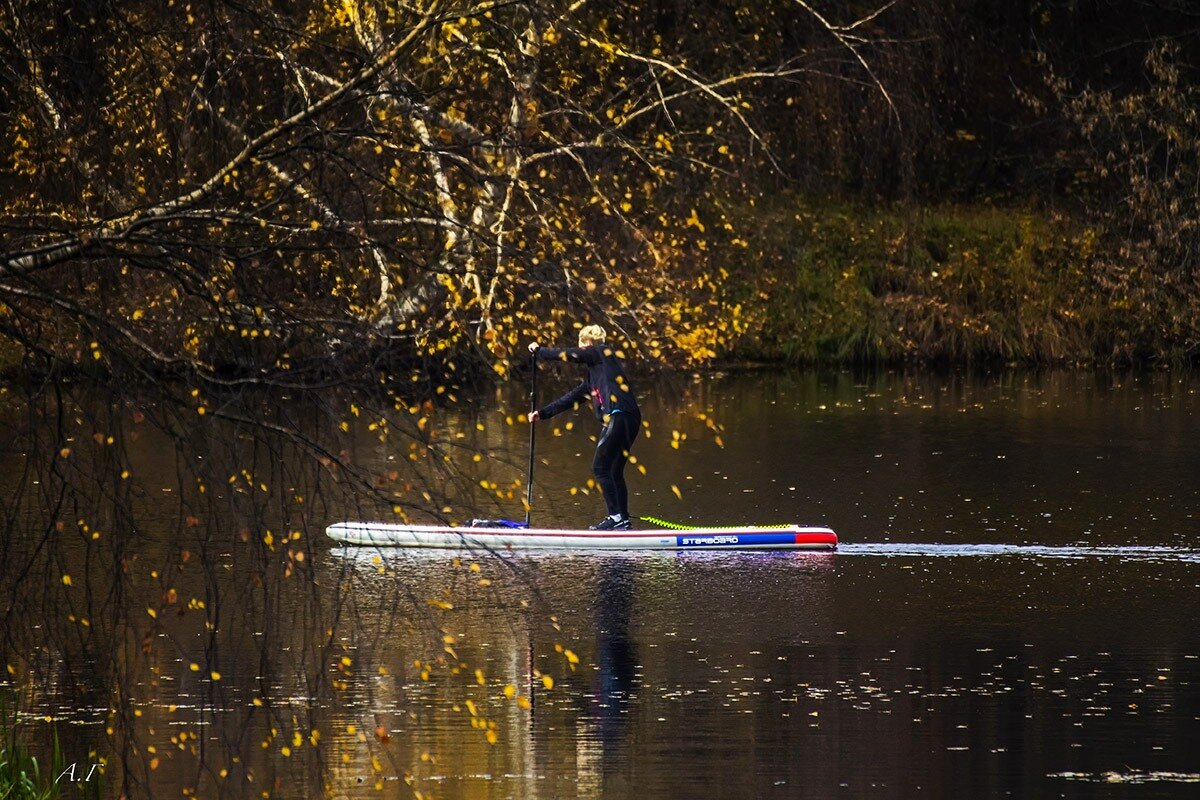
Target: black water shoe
(610, 524)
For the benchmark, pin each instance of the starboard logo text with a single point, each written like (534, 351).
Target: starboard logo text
(708, 540)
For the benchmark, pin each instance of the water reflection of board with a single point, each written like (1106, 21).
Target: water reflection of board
(380, 534)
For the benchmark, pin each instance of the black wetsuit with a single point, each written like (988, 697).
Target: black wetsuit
(614, 405)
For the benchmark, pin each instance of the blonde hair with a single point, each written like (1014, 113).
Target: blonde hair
(593, 333)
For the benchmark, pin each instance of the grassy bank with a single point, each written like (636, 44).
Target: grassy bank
(22, 777)
(948, 284)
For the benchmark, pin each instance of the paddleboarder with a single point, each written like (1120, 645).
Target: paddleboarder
(615, 407)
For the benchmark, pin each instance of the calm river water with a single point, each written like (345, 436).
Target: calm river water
(1012, 612)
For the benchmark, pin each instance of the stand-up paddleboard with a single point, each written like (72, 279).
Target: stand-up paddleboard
(381, 534)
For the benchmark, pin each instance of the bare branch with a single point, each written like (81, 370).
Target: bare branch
(120, 227)
(839, 33)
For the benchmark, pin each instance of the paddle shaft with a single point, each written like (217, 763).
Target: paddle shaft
(532, 435)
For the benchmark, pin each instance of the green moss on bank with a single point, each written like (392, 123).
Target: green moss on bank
(947, 284)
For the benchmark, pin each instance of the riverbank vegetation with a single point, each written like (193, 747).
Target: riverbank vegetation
(243, 193)
(950, 285)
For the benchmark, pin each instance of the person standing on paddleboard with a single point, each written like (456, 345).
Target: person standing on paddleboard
(615, 407)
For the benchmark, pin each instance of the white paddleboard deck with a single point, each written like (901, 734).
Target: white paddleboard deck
(382, 534)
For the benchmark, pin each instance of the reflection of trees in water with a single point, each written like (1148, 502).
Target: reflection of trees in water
(166, 583)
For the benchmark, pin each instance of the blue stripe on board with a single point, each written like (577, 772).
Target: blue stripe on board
(733, 539)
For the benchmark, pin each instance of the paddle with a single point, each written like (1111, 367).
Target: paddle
(532, 432)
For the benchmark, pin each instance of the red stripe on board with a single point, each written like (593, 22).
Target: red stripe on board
(816, 538)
